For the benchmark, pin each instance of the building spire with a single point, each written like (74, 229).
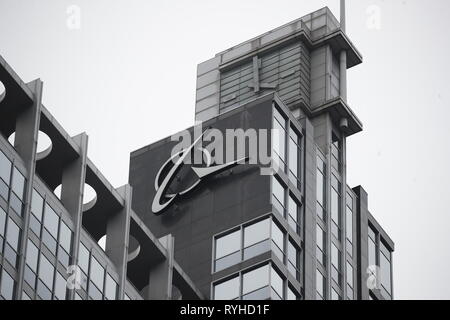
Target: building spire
(342, 22)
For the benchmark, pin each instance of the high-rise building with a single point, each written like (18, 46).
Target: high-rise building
(253, 205)
(298, 233)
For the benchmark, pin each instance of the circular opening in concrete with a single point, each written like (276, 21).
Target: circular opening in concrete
(2, 91)
(89, 199)
(133, 248)
(102, 242)
(44, 146)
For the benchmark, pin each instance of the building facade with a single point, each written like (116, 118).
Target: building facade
(232, 230)
(301, 232)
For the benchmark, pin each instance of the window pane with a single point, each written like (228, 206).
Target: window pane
(2, 222)
(320, 237)
(385, 267)
(320, 282)
(293, 254)
(276, 282)
(18, 183)
(110, 288)
(51, 220)
(60, 287)
(293, 209)
(349, 274)
(46, 272)
(278, 191)
(349, 224)
(228, 290)
(278, 239)
(13, 234)
(293, 155)
(372, 253)
(7, 286)
(32, 256)
(83, 258)
(255, 279)
(5, 168)
(37, 204)
(256, 232)
(291, 295)
(65, 237)
(335, 295)
(97, 273)
(335, 206)
(335, 256)
(228, 244)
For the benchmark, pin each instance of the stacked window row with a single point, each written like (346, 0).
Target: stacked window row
(253, 239)
(380, 258)
(261, 283)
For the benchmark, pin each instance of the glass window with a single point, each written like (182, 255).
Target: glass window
(349, 231)
(291, 295)
(83, 258)
(335, 295)
(278, 240)
(13, 235)
(228, 244)
(320, 238)
(335, 202)
(18, 184)
(276, 283)
(65, 237)
(51, 220)
(32, 256)
(372, 253)
(227, 290)
(110, 288)
(336, 263)
(37, 205)
(320, 285)
(320, 188)
(278, 192)
(7, 286)
(46, 272)
(293, 259)
(2, 223)
(5, 168)
(255, 282)
(97, 274)
(385, 266)
(60, 287)
(293, 157)
(349, 274)
(279, 138)
(228, 250)
(293, 213)
(256, 233)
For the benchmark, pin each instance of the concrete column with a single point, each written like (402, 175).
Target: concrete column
(343, 20)
(26, 140)
(362, 242)
(343, 75)
(117, 237)
(72, 191)
(160, 278)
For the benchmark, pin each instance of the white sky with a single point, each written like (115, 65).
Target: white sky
(127, 78)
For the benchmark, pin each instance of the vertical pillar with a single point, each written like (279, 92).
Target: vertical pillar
(362, 245)
(26, 140)
(343, 75)
(160, 278)
(310, 212)
(117, 237)
(72, 191)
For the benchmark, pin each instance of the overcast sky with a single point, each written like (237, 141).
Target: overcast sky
(126, 76)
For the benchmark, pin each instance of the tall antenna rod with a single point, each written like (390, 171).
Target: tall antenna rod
(342, 15)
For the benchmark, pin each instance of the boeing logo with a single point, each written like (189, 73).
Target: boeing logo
(170, 168)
